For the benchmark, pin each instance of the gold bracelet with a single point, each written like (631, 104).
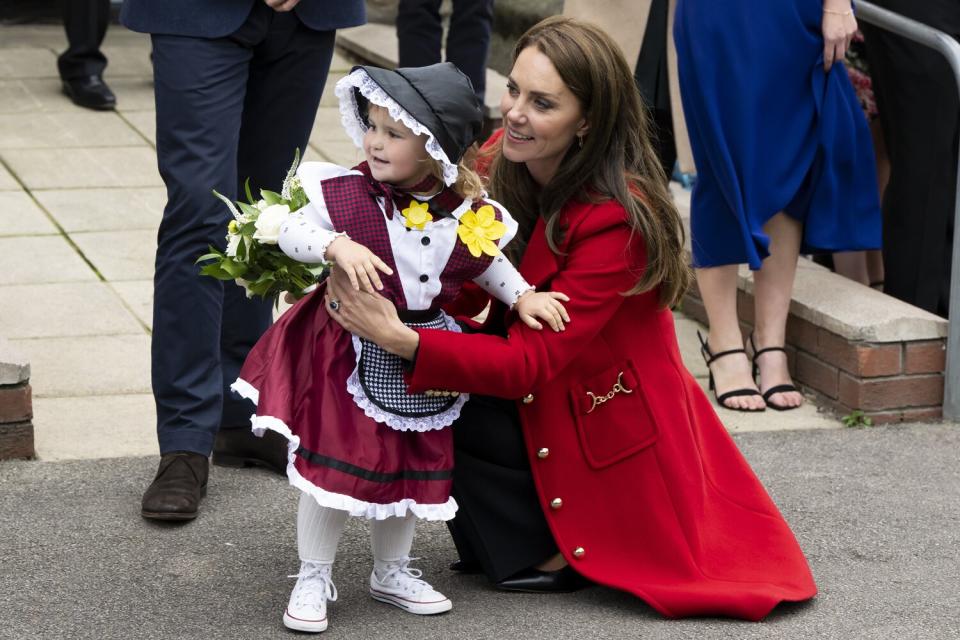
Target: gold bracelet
(848, 12)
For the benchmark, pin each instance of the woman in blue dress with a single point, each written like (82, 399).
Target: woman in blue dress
(784, 164)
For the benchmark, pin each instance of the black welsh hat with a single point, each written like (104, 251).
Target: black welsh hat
(437, 101)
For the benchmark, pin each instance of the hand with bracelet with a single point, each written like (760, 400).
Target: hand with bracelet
(839, 26)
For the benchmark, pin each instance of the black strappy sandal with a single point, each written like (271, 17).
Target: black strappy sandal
(708, 357)
(780, 388)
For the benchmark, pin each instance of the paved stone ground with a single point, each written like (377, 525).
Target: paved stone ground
(876, 511)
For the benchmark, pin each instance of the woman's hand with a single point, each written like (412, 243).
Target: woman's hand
(544, 305)
(839, 26)
(282, 5)
(358, 263)
(369, 315)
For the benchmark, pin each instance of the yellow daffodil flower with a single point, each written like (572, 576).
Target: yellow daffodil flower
(417, 215)
(478, 230)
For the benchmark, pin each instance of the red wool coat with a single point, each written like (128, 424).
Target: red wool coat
(642, 486)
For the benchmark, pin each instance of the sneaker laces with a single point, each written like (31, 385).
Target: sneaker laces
(406, 576)
(314, 585)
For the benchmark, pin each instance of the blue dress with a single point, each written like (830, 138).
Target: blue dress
(771, 131)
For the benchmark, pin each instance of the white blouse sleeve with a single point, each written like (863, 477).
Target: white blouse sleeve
(308, 232)
(503, 281)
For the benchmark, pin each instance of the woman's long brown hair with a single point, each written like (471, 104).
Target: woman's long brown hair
(616, 161)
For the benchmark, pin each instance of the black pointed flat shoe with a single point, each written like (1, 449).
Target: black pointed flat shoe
(535, 581)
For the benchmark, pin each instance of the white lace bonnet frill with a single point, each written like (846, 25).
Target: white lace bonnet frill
(436, 101)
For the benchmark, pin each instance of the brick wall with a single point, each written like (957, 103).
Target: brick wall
(16, 406)
(888, 381)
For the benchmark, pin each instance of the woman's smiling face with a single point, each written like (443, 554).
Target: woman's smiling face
(541, 116)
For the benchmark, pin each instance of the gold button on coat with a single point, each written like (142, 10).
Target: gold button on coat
(579, 552)
(556, 503)
(527, 399)
(543, 453)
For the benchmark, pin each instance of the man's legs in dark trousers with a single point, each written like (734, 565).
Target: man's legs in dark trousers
(420, 32)
(203, 328)
(85, 22)
(918, 104)
(468, 41)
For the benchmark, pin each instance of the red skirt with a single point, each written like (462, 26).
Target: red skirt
(297, 376)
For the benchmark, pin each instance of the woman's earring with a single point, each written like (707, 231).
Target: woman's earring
(580, 141)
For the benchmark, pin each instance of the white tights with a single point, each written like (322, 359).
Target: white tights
(319, 529)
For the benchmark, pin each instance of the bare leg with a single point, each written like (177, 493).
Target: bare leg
(718, 287)
(553, 563)
(773, 288)
(852, 264)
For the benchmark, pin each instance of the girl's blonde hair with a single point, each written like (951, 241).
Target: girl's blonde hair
(469, 185)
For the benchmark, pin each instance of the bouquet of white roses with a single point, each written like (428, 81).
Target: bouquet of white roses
(252, 258)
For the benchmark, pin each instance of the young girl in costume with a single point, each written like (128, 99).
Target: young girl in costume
(413, 224)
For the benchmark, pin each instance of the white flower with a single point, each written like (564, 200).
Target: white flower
(245, 284)
(233, 241)
(269, 222)
(261, 205)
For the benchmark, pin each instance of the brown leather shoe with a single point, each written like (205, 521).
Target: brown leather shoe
(176, 491)
(239, 447)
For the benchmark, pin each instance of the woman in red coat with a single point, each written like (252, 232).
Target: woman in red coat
(641, 486)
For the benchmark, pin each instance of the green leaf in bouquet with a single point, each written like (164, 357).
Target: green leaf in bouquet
(271, 197)
(214, 270)
(246, 188)
(249, 209)
(213, 255)
(242, 250)
(234, 268)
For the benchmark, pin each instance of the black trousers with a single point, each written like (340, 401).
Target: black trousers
(653, 81)
(920, 115)
(228, 109)
(85, 22)
(499, 523)
(420, 31)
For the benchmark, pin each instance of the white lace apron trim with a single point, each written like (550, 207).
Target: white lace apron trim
(355, 507)
(392, 420)
(353, 123)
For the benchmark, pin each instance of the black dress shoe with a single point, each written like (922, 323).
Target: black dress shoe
(239, 447)
(535, 581)
(463, 566)
(176, 491)
(90, 92)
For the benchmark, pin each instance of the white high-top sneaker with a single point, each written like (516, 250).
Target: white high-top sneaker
(307, 609)
(400, 586)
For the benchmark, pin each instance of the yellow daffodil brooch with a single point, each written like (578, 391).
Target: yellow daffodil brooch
(478, 230)
(417, 215)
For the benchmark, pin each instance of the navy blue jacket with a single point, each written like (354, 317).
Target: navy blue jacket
(218, 18)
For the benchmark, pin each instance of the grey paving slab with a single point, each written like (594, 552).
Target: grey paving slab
(807, 416)
(77, 128)
(138, 296)
(128, 59)
(63, 309)
(689, 345)
(329, 98)
(44, 95)
(874, 510)
(7, 181)
(143, 121)
(327, 127)
(104, 209)
(88, 365)
(39, 259)
(342, 153)
(52, 36)
(120, 255)
(20, 215)
(28, 62)
(76, 168)
(95, 427)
